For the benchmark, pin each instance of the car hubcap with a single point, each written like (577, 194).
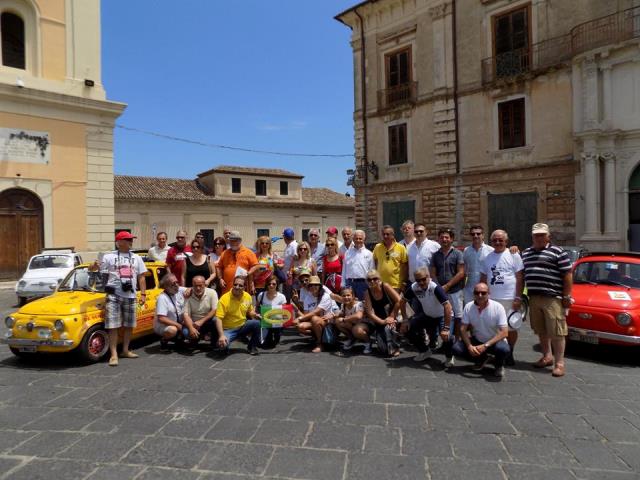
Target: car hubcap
(97, 343)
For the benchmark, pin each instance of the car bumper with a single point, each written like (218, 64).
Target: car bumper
(608, 336)
(28, 342)
(31, 293)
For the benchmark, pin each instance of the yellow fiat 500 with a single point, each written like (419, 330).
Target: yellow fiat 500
(72, 318)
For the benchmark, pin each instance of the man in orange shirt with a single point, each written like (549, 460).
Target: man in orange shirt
(236, 261)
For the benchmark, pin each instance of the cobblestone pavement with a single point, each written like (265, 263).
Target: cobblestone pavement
(289, 413)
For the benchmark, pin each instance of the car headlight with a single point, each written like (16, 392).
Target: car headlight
(59, 325)
(623, 319)
(9, 322)
(22, 283)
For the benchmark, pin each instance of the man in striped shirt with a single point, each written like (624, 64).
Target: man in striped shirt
(547, 274)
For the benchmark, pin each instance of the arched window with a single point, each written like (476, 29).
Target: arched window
(13, 48)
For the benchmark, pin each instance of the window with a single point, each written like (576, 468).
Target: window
(515, 213)
(395, 213)
(262, 232)
(236, 185)
(512, 124)
(13, 49)
(398, 68)
(209, 235)
(398, 144)
(305, 234)
(261, 188)
(284, 188)
(511, 42)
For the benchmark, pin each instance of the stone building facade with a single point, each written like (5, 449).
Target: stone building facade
(254, 201)
(56, 131)
(464, 113)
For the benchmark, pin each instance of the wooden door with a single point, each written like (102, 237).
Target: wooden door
(21, 231)
(396, 213)
(515, 213)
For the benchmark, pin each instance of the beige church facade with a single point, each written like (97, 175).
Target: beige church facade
(56, 131)
(254, 201)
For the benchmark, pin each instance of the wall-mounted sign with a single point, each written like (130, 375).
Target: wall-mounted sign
(24, 146)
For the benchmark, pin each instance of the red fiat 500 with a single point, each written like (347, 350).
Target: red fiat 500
(606, 289)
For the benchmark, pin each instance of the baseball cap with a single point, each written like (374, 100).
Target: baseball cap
(540, 228)
(124, 235)
(288, 233)
(234, 235)
(332, 230)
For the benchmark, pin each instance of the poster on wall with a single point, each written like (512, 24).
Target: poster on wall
(24, 146)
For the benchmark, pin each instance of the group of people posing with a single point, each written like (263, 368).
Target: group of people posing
(435, 296)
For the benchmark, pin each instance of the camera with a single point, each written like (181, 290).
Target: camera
(127, 287)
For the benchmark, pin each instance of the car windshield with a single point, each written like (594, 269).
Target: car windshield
(82, 279)
(50, 261)
(608, 273)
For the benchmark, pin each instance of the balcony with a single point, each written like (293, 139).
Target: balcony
(609, 30)
(525, 61)
(398, 96)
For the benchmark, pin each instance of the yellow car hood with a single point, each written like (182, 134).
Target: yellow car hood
(65, 303)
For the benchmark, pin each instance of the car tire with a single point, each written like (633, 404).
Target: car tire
(20, 354)
(95, 344)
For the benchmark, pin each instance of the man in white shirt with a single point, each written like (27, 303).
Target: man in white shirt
(357, 263)
(347, 236)
(488, 321)
(421, 250)
(289, 254)
(473, 257)
(407, 233)
(200, 310)
(503, 271)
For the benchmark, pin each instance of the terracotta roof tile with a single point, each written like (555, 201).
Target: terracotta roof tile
(127, 187)
(274, 172)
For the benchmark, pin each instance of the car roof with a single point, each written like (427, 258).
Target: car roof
(632, 257)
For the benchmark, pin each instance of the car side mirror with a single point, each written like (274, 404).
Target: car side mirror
(53, 287)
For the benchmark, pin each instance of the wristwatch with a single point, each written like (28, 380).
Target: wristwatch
(486, 345)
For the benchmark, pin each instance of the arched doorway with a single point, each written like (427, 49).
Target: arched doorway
(21, 230)
(634, 210)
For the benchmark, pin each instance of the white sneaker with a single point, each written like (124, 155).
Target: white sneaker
(348, 344)
(368, 349)
(422, 356)
(499, 372)
(450, 362)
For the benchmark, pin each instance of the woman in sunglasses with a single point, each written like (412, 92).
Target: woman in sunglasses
(332, 266)
(197, 264)
(219, 246)
(271, 297)
(381, 307)
(318, 310)
(302, 263)
(263, 271)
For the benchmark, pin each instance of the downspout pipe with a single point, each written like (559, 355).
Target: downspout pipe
(363, 96)
(455, 82)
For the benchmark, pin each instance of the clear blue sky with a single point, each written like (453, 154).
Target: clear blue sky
(267, 75)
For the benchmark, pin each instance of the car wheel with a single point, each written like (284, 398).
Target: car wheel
(20, 354)
(94, 344)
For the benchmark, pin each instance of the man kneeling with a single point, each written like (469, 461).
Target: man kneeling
(488, 320)
(236, 318)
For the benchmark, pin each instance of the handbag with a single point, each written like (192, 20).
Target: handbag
(329, 336)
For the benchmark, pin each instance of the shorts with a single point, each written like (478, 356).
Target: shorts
(456, 300)
(160, 328)
(547, 316)
(120, 312)
(507, 304)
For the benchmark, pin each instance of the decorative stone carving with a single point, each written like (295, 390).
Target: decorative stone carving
(440, 11)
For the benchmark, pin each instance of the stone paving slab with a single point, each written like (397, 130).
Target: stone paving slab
(291, 414)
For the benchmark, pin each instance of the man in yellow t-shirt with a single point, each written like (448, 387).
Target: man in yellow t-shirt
(391, 259)
(236, 318)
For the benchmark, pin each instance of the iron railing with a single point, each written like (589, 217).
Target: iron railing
(599, 32)
(607, 30)
(399, 95)
(537, 57)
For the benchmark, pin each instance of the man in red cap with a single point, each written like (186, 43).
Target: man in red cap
(332, 232)
(123, 272)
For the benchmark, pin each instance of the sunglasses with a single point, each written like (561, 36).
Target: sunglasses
(303, 249)
(476, 234)
(370, 280)
(314, 235)
(180, 238)
(195, 247)
(421, 280)
(265, 243)
(272, 285)
(480, 293)
(219, 244)
(419, 231)
(497, 240)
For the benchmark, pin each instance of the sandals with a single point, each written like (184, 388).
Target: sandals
(129, 354)
(543, 362)
(113, 362)
(558, 370)
(317, 349)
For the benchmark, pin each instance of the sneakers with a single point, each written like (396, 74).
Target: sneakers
(499, 372)
(368, 349)
(422, 356)
(253, 351)
(480, 365)
(450, 362)
(346, 346)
